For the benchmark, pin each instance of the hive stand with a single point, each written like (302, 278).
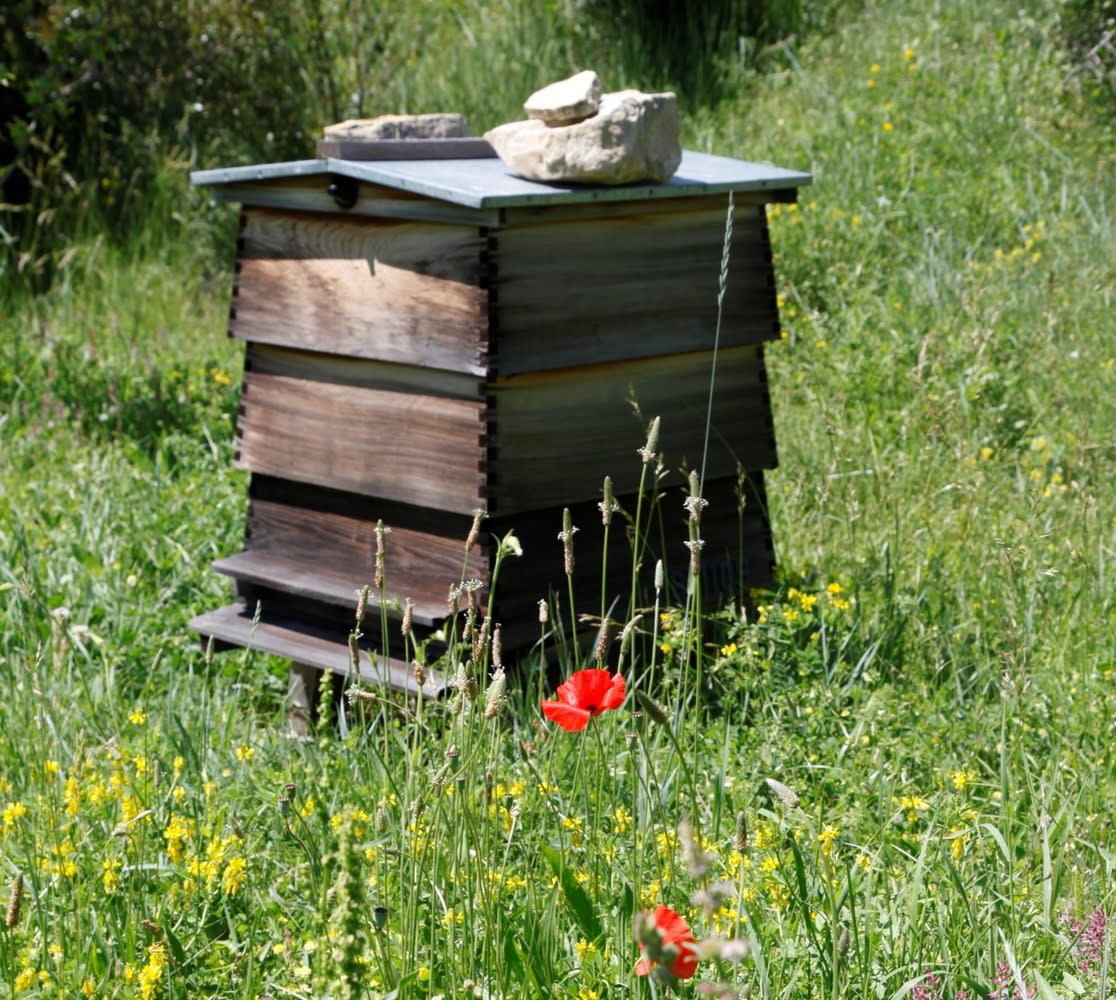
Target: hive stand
(428, 337)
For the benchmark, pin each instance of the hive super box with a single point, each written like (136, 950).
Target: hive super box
(425, 337)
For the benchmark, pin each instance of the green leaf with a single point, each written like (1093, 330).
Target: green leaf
(1073, 984)
(576, 898)
(627, 903)
(175, 947)
(512, 962)
(1045, 990)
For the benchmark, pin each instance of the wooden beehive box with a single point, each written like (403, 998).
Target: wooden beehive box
(428, 337)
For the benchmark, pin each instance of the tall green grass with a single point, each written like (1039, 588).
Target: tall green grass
(895, 778)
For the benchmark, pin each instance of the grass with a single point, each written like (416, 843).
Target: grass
(896, 777)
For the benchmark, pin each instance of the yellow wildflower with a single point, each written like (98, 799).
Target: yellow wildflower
(962, 778)
(13, 811)
(827, 838)
(152, 973)
(235, 873)
(585, 949)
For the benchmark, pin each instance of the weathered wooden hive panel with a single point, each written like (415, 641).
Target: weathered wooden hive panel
(428, 338)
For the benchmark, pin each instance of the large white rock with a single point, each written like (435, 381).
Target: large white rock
(633, 137)
(432, 126)
(566, 101)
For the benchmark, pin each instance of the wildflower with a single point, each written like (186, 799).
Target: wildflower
(1005, 986)
(586, 693)
(667, 942)
(621, 820)
(72, 796)
(110, 875)
(962, 778)
(913, 804)
(234, 875)
(137, 717)
(152, 972)
(827, 838)
(927, 989)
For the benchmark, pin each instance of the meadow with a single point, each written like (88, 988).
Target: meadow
(891, 776)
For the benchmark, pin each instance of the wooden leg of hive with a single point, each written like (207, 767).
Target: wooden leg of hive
(302, 693)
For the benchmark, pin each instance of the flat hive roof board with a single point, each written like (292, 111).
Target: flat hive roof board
(486, 183)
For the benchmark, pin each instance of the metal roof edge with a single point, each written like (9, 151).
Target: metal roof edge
(487, 184)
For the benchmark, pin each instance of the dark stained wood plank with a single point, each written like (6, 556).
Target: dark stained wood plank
(553, 436)
(745, 201)
(417, 449)
(330, 585)
(321, 544)
(404, 292)
(643, 240)
(371, 374)
(581, 292)
(232, 627)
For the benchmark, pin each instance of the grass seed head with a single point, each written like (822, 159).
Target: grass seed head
(479, 514)
(494, 696)
(649, 450)
(608, 506)
(565, 536)
(382, 531)
(784, 794)
(655, 712)
(600, 650)
(694, 503)
(497, 647)
(740, 840)
(480, 641)
(15, 900)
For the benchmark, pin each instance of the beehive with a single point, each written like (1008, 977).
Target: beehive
(429, 337)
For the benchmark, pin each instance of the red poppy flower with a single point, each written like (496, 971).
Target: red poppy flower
(674, 932)
(586, 693)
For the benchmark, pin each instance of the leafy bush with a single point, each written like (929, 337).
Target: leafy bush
(1089, 31)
